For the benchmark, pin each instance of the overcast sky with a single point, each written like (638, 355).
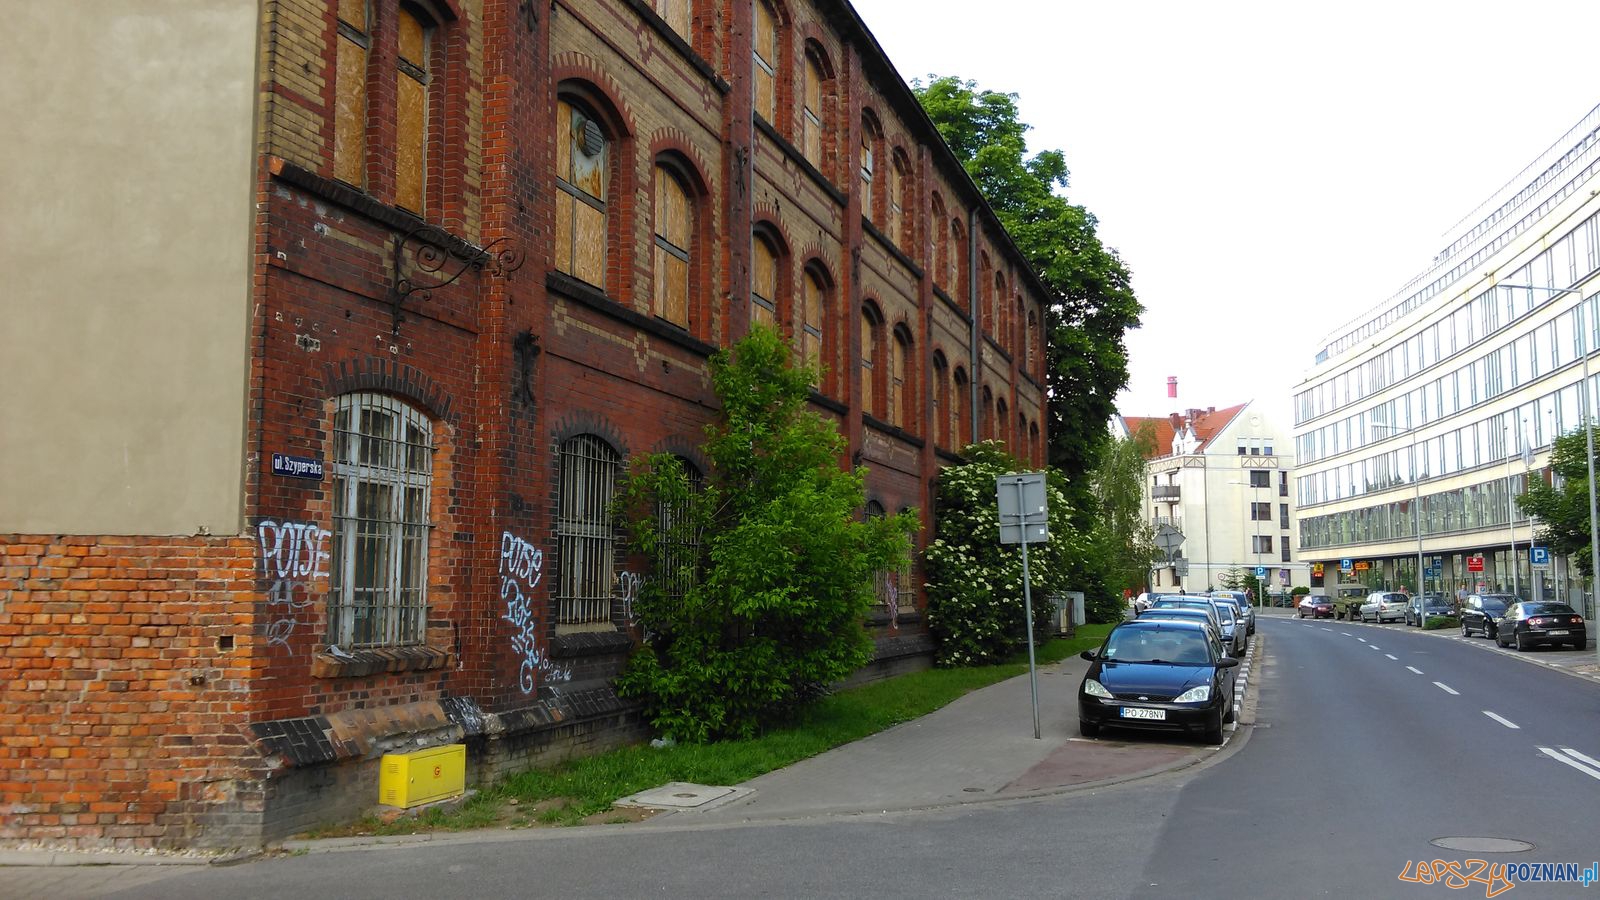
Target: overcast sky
(1266, 170)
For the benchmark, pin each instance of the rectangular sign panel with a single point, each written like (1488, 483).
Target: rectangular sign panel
(296, 466)
(1024, 514)
(1474, 564)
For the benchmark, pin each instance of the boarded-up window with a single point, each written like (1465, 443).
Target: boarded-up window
(674, 225)
(674, 13)
(811, 325)
(897, 188)
(899, 403)
(581, 172)
(411, 110)
(941, 401)
(958, 253)
(811, 113)
(960, 409)
(764, 283)
(350, 93)
(1032, 338)
(765, 56)
(869, 339)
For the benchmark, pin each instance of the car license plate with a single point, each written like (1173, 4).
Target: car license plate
(1561, 632)
(1133, 712)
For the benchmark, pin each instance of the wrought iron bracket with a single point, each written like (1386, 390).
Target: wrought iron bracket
(435, 265)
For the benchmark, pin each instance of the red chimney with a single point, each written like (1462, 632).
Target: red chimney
(1172, 387)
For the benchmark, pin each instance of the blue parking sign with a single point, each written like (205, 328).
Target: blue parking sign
(1261, 571)
(1344, 564)
(1539, 556)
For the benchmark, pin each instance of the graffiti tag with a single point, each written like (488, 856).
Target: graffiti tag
(294, 557)
(521, 568)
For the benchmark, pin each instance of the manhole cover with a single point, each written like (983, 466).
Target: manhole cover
(1481, 844)
(682, 795)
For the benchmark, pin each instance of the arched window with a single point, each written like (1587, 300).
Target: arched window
(939, 253)
(871, 335)
(985, 288)
(1002, 423)
(764, 281)
(958, 261)
(1034, 445)
(350, 92)
(888, 585)
(674, 230)
(899, 177)
(986, 423)
(677, 13)
(900, 392)
(382, 487)
(582, 170)
(764, 55)
(677, 562)
(813, 125)
(1031, 341)
(943, 409)
(995, 310)
(961, 409)
(585, 536)
(1020, 435)
(869, 144)
(812, 309)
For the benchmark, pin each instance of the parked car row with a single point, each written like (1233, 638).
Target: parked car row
(1378, 606)
(1169, 669)
(1510, 621)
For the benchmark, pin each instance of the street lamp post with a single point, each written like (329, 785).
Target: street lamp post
(1588, 431)
(1416, 517)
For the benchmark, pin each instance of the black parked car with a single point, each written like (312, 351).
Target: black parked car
(1530, 623)
(1162, 675)
(1482, 611)
(1437, 605)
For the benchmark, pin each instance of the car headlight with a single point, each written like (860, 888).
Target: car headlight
(1194, 695)
(1095, 689)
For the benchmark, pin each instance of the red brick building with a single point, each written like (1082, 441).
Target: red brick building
(470, 256)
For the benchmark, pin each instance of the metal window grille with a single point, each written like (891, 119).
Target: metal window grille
(585, 535)
(678, 553)
(382, 479)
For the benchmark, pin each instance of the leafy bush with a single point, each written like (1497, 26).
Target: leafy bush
(769, 608)
(1435, 623)
(1299, 591)
(974, 584)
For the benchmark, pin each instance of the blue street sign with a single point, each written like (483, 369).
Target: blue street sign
(1261, 571)
(1539, 556)
(1344, 564)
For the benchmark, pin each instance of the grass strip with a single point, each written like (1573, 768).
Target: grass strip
(581, 789)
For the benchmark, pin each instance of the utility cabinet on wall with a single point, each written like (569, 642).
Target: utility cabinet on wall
(412, 779)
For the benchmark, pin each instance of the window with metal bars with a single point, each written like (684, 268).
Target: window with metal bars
(382, 479)
(891, 587)
(678, 551)
(585, 533)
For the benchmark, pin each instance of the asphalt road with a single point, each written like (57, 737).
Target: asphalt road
(1357, 763)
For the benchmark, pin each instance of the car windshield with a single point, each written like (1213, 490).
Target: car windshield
(1548, 609)
(1158, 645)
(1189, 615)
(1492, 605)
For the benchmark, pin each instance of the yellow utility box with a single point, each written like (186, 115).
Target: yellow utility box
(412, 779)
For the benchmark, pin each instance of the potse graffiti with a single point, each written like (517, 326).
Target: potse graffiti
(521, 568)
(294, 556)
(629, 582)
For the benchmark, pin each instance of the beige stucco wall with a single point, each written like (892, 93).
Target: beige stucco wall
(125, 215)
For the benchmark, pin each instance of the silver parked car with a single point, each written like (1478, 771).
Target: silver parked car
(1385, 606)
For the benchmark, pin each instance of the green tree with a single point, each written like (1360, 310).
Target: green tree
(1563, 511)
(974, 583)
(764, 575)
(1123, 537)
(1092, 304)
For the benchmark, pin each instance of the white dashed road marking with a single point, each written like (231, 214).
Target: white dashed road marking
(1392, 656)
(1347, 634)
(1446, 688)
(1575, 763)
(1415, 669)
(1373, 647)
(1502, 720)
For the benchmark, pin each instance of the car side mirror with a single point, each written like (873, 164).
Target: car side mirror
(1089, 655)
(1227, 662)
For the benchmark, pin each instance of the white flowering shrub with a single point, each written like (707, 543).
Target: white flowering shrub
(974, 584)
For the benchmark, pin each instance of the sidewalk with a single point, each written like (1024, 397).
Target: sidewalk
(979, 748)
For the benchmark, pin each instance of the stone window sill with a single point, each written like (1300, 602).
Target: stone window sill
(356, 663)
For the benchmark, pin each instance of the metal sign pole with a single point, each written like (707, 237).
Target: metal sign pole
(1027, 607)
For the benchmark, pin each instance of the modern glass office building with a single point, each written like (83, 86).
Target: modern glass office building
(1430, 411)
